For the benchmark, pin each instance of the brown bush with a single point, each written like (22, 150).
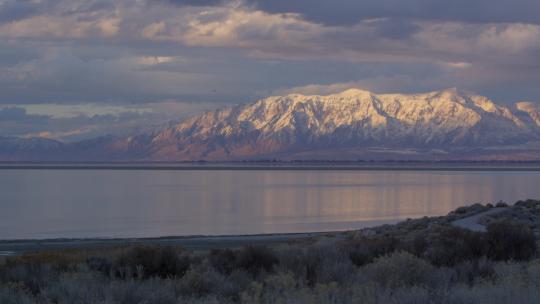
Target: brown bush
(509, 240)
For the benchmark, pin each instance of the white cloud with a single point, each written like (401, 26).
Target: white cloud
(510, 38)
(153, 60)
(322, 89)
(58, 135)
(479, 40)
(60, 27)
(456, 65)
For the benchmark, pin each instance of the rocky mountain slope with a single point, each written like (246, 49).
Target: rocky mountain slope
(349, 125)
(448, 121)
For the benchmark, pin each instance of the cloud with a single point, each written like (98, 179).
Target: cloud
(69, 26)
(456, 65)
(376, 84)
(13, 113)
(57, 135)
(195, 2)
(75, 122)
(134, 53)
(231, 26)
(480, 40)
(153, 60)
(12, 10)
(322, 89)
(350, 12)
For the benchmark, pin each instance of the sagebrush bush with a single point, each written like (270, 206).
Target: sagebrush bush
(472, 271)
(316, 264)
(255, 259)
(195, 283)
(363, 250)
(223, 260)
(400, 269)
(451, 245)
(302, 263)
(509, 240)
(146, 261)
(15, 295)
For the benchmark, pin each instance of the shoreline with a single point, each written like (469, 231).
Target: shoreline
(472, 217)
(459, 167)
(194, 242)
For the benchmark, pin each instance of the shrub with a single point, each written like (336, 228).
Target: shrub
(335, 265)
(316, 264)
(99, 264)
(303, 263)
(400, 269)
(255, 259)
(533, 272)
(223, 260)
(501, 204)
(14, 295)
(510, 240)
(30, 276)
(472, 209)
(195, 284)
(154, 290)
(469, 272)
(530, 203)
(151, 261)
(80, 287)
(452, 245)
(362, 251)
(231, 286)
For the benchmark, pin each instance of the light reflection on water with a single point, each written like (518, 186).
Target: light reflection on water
(109, 203)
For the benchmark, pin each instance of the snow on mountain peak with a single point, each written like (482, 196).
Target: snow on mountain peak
(352, 118)
(532, 109)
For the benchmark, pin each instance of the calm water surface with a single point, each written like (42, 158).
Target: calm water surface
(116, 203)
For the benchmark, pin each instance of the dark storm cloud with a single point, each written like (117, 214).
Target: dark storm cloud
(13, 10)
(348, 12)
(395, 28)
(17, 114)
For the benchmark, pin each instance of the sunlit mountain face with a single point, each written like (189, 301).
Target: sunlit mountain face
(354, 124)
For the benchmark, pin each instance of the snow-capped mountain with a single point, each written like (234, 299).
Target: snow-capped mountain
(351, 120)
(354, 124)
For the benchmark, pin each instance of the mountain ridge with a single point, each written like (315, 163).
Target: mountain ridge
(447, 123)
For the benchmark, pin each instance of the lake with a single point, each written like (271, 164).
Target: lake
(76, 203)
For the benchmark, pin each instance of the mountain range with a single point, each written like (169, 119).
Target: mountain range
(351, 125)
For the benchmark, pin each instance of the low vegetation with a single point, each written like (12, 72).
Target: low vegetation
(417, 261)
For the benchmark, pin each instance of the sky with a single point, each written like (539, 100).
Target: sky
(74, 69)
